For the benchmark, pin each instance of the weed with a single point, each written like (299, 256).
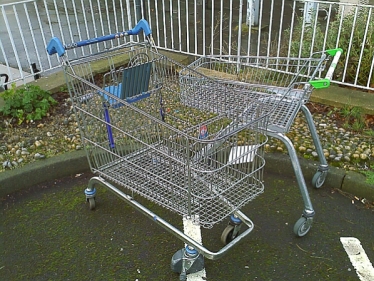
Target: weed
(332, 112)
(369, 133)
(357, 112)
(346, 111)
(358, 126)
(26, 103)
(369, 175)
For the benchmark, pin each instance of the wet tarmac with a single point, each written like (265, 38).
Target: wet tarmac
(49, 233)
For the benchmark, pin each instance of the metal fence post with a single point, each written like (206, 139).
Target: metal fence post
(253, 10)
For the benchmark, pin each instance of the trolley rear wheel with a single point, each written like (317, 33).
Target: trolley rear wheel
(319, 179)
(228, 234)
(92, 203)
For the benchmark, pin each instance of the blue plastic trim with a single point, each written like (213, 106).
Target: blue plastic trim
(235, 220)
(90, 192)
(191, 252)
(55, 47)
(138, 98)
(142, 25)
(108, 127)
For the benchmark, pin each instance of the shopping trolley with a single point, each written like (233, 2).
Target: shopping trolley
(283, 84)
(142, 138)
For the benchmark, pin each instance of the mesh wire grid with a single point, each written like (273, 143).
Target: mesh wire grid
(192, 156)
(282, 84)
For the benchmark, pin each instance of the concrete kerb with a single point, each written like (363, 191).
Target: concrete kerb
(351, 182)
(278, 164)
(42, 171)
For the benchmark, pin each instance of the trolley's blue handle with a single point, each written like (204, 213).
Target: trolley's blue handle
(55, 46)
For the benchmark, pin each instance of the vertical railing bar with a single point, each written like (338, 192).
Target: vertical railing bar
(171, 24)
(69, 24)
(116, 21)
(164, 22)
(280, 30)
(59, 22)
(78, 25)
(327, 28)
(302, 31)
(291, 30)
(42, 30)
(144, 16)
(135, 12)
(108, 21)
(12, 43)
(368, 85)
(240, 27)
(86, 26)
(157, 26)
(340, 25)
(135, 20)
(220, 29)
(122, 16)
(94, 25)
(195, 26)
(249, 35)
(315, 20)
(203, 26)
(363, 47)
(129, 19)
(32, 36)
(187, 29)
(212, 31)
(230, 27)
(350, 43)
(179, 27)
(5, 58)
(259, 29)
(270, 27)
(149, 13)
(101, 22)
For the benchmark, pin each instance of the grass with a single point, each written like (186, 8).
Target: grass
(369, 175)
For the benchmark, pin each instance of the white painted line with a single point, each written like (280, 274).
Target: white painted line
(191, 227)
(358, 257)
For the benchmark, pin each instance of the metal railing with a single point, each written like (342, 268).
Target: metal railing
(195, 27)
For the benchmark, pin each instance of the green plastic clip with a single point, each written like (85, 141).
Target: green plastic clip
(332, 52)
(320, 84)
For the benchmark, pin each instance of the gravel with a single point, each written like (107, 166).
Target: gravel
(59, 133)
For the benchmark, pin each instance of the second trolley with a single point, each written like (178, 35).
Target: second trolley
(283, 84)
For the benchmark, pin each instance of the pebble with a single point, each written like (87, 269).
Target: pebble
(7, 164)
(363, 156)
(38, 143)
(339, 144)
(39, 156)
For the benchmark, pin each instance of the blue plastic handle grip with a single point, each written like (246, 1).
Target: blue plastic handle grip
(55, 46)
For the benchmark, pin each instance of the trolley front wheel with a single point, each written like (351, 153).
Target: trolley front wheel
(183, 276)
(319, 179)
(228, 234)
(302, 226)
(92, 203)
